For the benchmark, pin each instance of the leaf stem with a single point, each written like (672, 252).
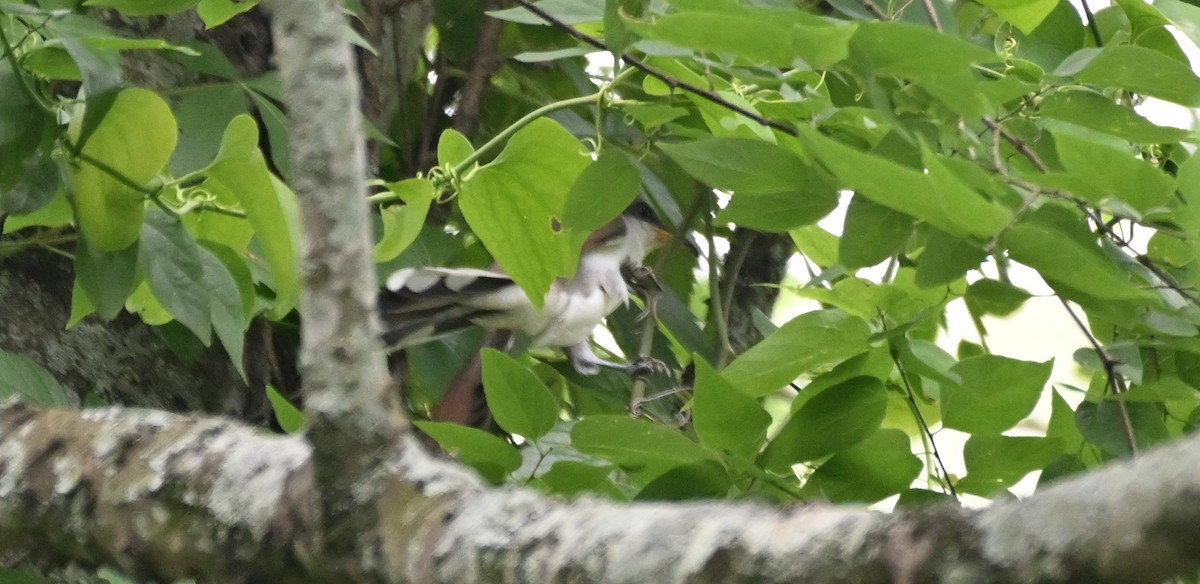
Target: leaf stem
(525, 120)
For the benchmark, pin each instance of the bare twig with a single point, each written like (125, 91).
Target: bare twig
(926, 433)
(1110, 373)
(671, 82)
(933, 17)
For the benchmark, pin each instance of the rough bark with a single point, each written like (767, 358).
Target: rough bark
(353, 417)
(166, 496)
(122, 361)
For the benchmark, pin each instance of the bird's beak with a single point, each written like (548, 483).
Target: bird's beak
(662, 236)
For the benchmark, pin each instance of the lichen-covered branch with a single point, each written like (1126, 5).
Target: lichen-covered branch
(165, 496)
(353, 420)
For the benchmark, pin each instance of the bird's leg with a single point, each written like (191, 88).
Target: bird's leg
(587, 363)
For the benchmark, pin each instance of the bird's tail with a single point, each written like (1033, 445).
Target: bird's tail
(424, 304)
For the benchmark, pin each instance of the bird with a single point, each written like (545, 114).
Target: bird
(421, 304)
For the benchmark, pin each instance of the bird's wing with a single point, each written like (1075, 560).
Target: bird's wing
(429, 283)
(423, 304)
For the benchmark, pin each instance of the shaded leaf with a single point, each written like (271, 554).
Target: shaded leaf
(725, 418)
(290, 418)
(833, 420)
(811, 340)
(22, 376)
(876, 468)
(994, 393)
(519, 401)
(634, 443)
(1144, 71)
(494, 458)
(171, 262)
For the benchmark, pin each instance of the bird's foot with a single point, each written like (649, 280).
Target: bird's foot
(643, 366)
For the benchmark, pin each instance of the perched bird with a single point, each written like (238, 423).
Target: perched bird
(422, 304)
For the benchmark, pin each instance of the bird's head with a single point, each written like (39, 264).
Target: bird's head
(636, 232)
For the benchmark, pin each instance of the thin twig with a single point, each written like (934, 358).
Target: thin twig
(1019, 144)
(926, 433)
(874, 10)
(1091, 23)
(671, 82)
(715, 304)
(1110, 372)
(933, 17)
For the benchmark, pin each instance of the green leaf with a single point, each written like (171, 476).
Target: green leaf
(100, 71)
(634, 443)
(998, 462)
(725, 418)
(946, 258)
(519, 400)
(569, 478)
(38, 180)
(831, 421)
(993, 393)
(603, 190)
(741, 164)
(279, 132)
(616, 36)
(816, 244)
(567, 11)
(106, 277)
(1052, 242)
(994, 297)
(1098, 172)
(402, 223)
(494, 458)
(134, 138)
(170, 260)
(777, 212)
(811, 340)
(22, 376)
(939, 63)
(1026, 15)
(1159, 390)
(1103, 425)
(876, 468)
(766, 36)
(290, 418)
(216, 12)
(526, 185)
(705, 479)
(226, 312)
(871, 233)
(453, 148)
(1185, 17)
(937, 196)
(270, 206)
(237, 267)
(144, 7)
(203, 115)
(1144, 71)
(1095, 111)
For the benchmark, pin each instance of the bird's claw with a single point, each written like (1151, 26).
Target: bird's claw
(647, 366)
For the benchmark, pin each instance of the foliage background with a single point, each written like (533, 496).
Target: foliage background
(974, 136)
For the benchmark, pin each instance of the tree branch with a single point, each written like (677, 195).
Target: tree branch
(218, 501)
(352, 415)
